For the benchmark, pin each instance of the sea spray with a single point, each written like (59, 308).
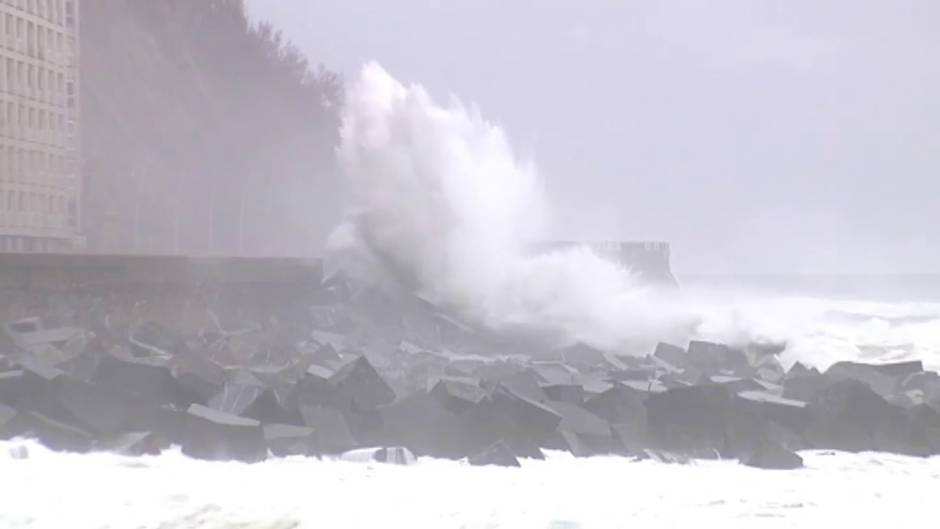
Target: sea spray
(55, 490)
(441, 205)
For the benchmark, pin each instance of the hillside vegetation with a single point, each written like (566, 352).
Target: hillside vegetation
(203, 133)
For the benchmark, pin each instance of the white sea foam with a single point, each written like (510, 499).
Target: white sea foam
(441, 204)
(821, 330)
(49, 490)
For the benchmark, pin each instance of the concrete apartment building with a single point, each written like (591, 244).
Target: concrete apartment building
(40, 182)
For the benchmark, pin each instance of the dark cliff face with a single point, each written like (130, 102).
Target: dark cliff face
(201, 133)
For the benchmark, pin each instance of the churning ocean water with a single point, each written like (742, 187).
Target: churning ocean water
(54, 491)
(822, 322)
(824, 319)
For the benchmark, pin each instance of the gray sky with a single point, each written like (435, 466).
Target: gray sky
(755, 136)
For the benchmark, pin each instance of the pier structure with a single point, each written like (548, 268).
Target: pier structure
(649, 260)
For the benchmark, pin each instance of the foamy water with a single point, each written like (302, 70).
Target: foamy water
(441, 203)
(49, 490)
(821, 330)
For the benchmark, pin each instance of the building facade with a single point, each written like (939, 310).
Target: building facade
(40, 176)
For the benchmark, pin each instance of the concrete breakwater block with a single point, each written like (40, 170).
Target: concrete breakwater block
(7, 414)
(621, 405)
(882, 379)
(771, 455)
(97, 409)
(333, 434)
(689, 420)
(33, 386)
(290, 440)
(498, 454)
(148, 380)
(849, 415)
(458, 395)
(325, 375)
(219, 436)
(358, 384)
(394, 455)
(135, 444)
(423, 422)
(53, 434)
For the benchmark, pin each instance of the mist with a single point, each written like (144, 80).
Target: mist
(757, 138)
(441, 205)
(446, 259)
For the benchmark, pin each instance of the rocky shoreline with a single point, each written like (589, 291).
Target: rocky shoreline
(228, 374)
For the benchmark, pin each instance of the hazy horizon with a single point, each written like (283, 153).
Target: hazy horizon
(266, 262)
(759, 139)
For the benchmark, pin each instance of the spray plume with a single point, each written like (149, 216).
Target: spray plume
(442, 206)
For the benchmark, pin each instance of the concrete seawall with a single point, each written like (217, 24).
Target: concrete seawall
(648, 260)
(51, 272)
(175, 291)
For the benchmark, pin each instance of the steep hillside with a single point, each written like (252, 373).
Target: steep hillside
(201, 133)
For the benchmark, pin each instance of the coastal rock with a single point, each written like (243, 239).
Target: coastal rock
(673, 354)
(333, 434)
(554, 373)
(32, 387)
(735, 384)
(198, 376)
(135, 444)
(770, 455)
(82, 366)
(7, 414)
(53, 434)
(570, 393)
(848, 415)
(395, 455)
(97, 409)
(458, 395)
(296, 379)
(18, 453)
(147, 380)
(578, 420)
(253, 402)
(927, 419)
(498, 454)
(689, 420)
(425, 424)
(288, 440)
(361, 386)
(584, 355)
(883, 379)
(152, 339)
(167, 423)
(619, 405)
(928, 382)
(660, 456)
(522, 424)
(804, 387)
(217, 436)
(799, 369)
(715, 358)
(314, 389)
(524, 384)
(790, 413)
(529, 415)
